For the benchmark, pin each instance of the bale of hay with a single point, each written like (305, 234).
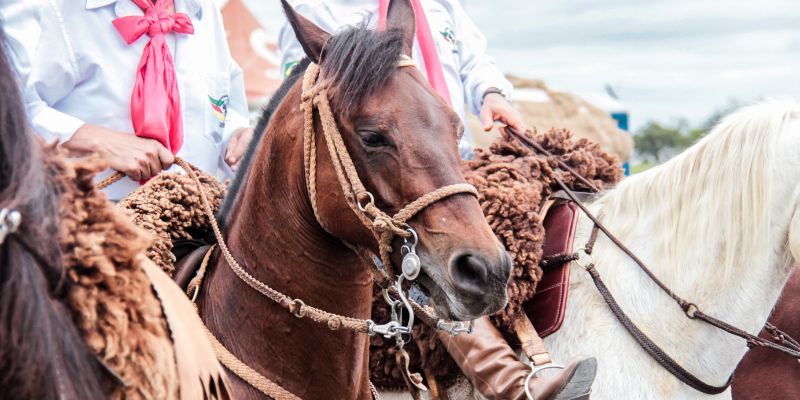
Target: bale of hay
(545, 109)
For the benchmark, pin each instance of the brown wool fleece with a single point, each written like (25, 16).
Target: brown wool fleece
(169, 206)
(113, 304)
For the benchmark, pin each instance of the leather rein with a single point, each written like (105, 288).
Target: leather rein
(584, 259)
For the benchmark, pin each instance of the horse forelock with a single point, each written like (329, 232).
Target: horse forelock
(717, 192)
(356, 62)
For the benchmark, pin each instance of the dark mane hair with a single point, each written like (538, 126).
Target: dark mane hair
(258, 135)
(42, 355)
(355, 63)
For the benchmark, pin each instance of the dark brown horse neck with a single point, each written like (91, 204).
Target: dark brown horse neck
(275, 236)
(764, 374)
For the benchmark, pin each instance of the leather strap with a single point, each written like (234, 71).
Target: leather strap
(651, 348)
(791, 347)
(532, 345)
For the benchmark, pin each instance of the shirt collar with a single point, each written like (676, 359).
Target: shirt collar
(92, 4)
(193, 7)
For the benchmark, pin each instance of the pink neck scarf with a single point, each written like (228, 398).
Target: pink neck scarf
(433, 67)
(156, 102)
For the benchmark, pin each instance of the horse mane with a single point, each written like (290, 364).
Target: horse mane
(42, 354)
(258, 134)
(355, 63)
(730, 166)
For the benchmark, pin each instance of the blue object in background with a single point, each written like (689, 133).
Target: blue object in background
(622, 123)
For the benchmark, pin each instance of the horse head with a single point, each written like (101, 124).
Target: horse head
(402, 138)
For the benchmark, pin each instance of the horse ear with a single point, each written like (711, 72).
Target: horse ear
(401, 16)
(310, 36)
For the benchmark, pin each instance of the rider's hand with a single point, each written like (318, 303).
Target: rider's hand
(138, 158)
(497, 108)
(237, 146)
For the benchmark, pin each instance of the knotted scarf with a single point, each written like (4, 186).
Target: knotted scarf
(155, 102)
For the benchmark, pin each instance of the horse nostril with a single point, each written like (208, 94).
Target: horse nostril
(470, 273)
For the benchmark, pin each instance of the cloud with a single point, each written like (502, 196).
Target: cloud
(665, 58)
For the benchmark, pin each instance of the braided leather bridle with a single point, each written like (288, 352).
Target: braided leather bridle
(584, 259)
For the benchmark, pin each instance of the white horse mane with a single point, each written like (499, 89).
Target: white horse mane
(729, 166)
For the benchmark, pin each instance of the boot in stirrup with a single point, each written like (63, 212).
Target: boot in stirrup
(496, 372)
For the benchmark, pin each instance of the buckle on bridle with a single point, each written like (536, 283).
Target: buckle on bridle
(691, 310)
(296, 307)
(454, 328)
(584, 259)
(370, 202)
(388, 330)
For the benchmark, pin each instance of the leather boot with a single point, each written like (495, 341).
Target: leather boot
(496, 372)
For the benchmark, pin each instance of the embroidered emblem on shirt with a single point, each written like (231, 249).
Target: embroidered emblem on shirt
(450, 37)
(220, 108)
(288, 68)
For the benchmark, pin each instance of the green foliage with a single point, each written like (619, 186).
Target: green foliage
(635, 169)
(656, 142)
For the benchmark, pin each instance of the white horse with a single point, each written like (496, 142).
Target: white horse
(720, 225)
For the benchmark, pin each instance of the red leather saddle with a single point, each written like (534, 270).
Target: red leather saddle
(547, 307)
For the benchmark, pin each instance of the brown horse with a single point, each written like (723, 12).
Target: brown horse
(402, 138)
(764, 374)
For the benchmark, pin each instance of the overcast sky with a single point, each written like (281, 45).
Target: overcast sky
(664, 58)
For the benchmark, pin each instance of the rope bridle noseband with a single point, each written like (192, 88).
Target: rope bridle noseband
(585, 260)
(383, 227)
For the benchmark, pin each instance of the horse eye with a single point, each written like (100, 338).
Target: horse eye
(373, 139)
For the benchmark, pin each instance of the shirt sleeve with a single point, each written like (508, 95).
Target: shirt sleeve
(238, 113)
(478, 70)
(22, 27)
(46, 67)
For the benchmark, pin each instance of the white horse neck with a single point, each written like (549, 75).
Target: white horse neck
(714, 224)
